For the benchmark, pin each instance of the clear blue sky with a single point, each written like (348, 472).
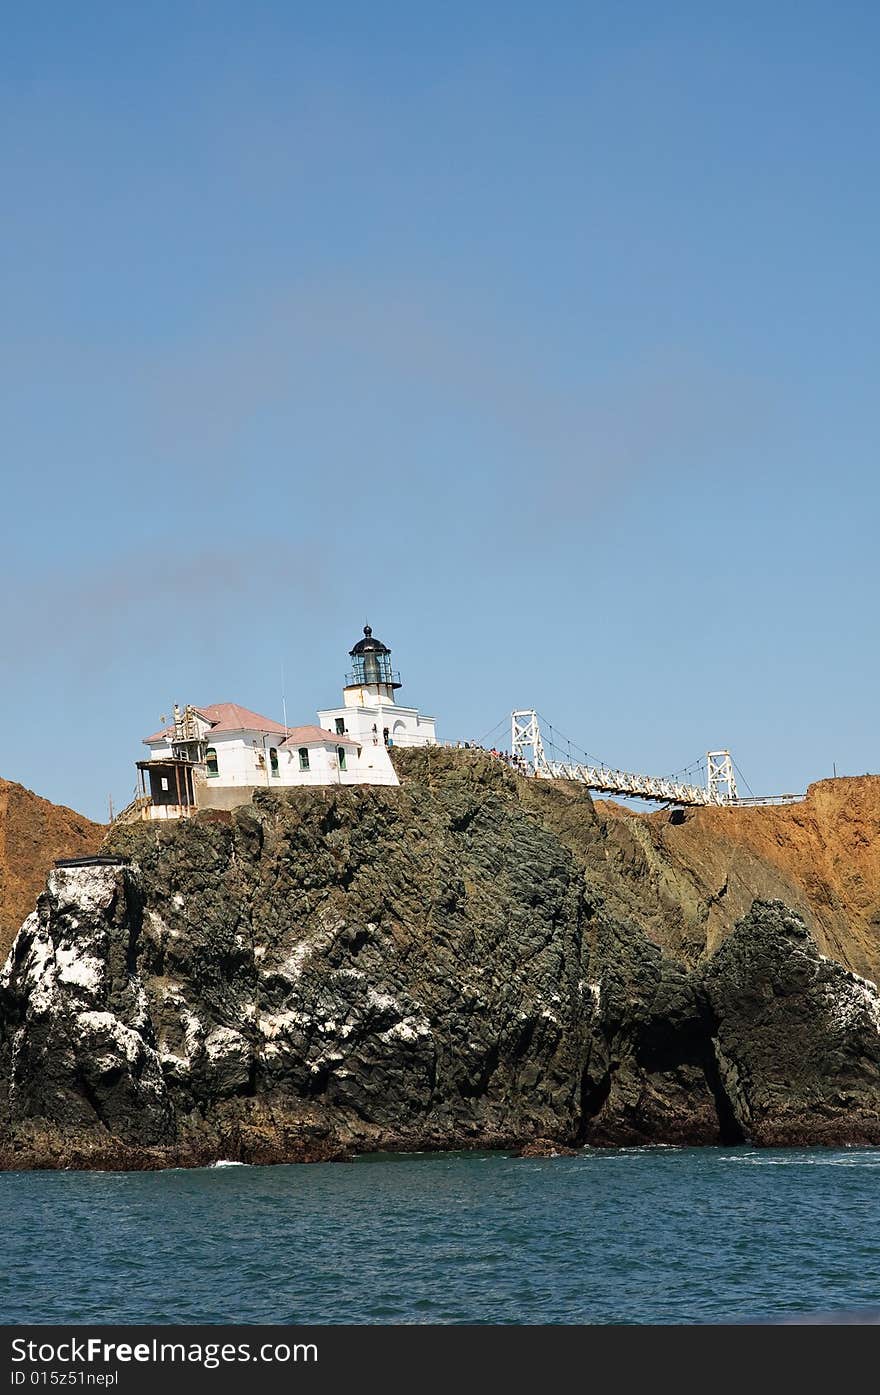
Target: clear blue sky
(545, 338)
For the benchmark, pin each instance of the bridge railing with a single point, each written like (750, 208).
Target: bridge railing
(623, 782)
(133, 811)
(761, 799)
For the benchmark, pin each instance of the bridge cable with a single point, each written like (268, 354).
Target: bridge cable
(743, 778)
(593, 760)
(696, 767)
(483, 739)
(554, 738)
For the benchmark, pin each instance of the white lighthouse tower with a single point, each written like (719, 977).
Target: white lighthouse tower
(370, 713)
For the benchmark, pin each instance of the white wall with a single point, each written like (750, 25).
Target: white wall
(322, 767)
(368, 695)
(164, 811)
(412, 729)
(367, 765)
(159, 750)
(240, 762)
(243, 760)
(238, 758)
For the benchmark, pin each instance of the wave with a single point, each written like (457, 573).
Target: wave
(854, 1160)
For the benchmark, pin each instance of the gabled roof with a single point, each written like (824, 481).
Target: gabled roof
(311, 736)
(227, 716)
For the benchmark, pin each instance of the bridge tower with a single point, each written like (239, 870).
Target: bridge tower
(525, 740)
(720, 779)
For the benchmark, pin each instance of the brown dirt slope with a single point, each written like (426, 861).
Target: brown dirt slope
(689, 876)
(33, 833)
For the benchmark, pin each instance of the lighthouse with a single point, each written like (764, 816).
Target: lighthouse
(215, 757)
(372, 676)
(370, 711)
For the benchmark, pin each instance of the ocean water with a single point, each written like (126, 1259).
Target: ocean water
(625, 1236)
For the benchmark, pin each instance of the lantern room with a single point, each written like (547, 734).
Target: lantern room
(371, 666)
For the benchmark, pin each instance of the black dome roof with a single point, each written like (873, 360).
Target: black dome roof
(369, 645)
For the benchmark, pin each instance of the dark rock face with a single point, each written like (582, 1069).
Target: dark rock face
(650, 1075)
(797, 1035)
(338, 970)
(78, 1046)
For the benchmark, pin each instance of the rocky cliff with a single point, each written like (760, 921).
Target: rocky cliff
(33, 833)
(472, 959)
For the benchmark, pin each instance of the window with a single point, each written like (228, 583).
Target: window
(273, 760)
(340, 752)
(211, 762)
(303, 758)
(340, 726)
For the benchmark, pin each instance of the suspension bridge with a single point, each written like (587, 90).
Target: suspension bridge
(540, 753)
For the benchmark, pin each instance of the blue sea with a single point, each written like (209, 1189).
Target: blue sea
(622, 1236)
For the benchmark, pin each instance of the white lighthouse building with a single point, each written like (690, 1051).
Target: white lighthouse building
(217, 756)
(369, 712)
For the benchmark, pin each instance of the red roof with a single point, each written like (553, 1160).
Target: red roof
(310, 736)
(228, 716)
